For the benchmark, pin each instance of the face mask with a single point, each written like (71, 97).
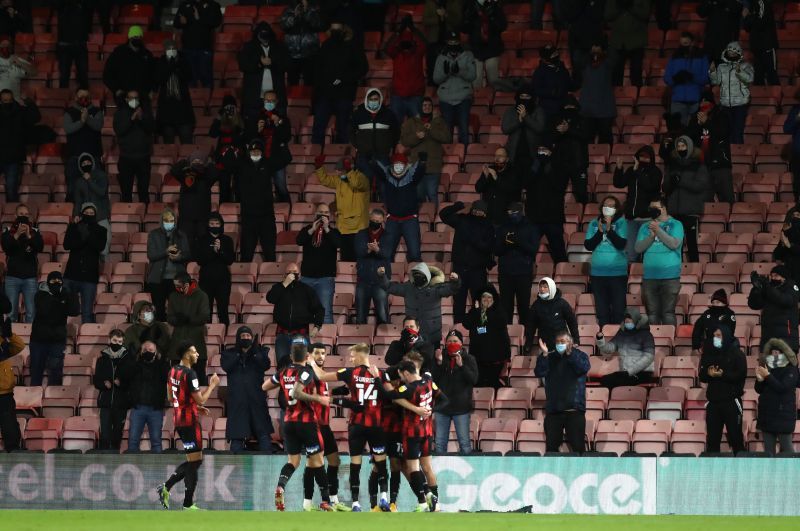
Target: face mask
(499, 165)
(179, 289)
(654, 212)
(776, 283)
(113, 347)
(264, 38)
(398, 169)
(409, 336)
(172, 54)
(84, 102)
(23, 220)
(133, 103)
(255, 158)
(419, 280)
(373, 105)
(561, 348)
(86, 168)
(453, 348)
(215, 231)
(426, 115)
(269, 106)
(136, 42)
(55, 289)
(717, 342)
(644, 160)
(609, 211)
(777, 360)
(374, 225)
(244, 343)
(147, 317)
(733, 56)
(89, 219)
(629, 326)
(683, 153)
(515, 217)
(168, 226)
(453, 49)
(148, 355)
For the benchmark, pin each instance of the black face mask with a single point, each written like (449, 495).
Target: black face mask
(426, 115)
(23, 220)
(136, 43)
(654, 212)
(776, 283)
(55, 289)
(515, 217)
(113, 347)
(86, 168)
(89, 219)
(374, 225)
(215, 231)
(419, 280)
(453, 49)
(683, 153)
(244, 344)
(148, 355)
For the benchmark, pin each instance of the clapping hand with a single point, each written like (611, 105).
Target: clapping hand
(653, 226)
(714, 371)
(543, 347)
(381, 271)
(762, 373)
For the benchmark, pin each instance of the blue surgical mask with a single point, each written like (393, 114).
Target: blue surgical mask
(373, 105)
(169, 227)
(561, 348)
(269, 106)
(717, 341)
(629, 326)
(544, 296)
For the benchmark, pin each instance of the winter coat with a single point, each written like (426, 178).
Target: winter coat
(397, 350)
(585, 22)
(570, 148)
(778, 305)
(194, 199)
(564, 380)
(94, 190)
(319, 262)
(435, 28)
(687, 184)
(296, 306)
(455, 88)
(408, 64)
(367, 262)
(733, 363)
(342, 60)
(74, 23)
(230, 137)
(500, 192)
(426, 302)
(9, 347)
(722, 24)
(16, 125)
(374, 134)
(128, 69)
(50, 324)
(790, 256)
(301, 31)
(546, 189)
(488, 334)
(627, 21)
(83, 137)
(733, 78)
(249, 59)
(514, 246)
(246, 402)
(484, 25)
(352, 198)
(255, 188)
(456, 383)
(713, 138)
(608, 248)
(22, 254)
(644, 185)
(551, 83)
(277, 138)
(134, 137)
(215, 267)
(158, 241)
(188, 315)
(473, 241)
(174, 108)
(138, 332)
(108, 369)
(401, 193)
(146, 381)
(709, 321)
(687, 74)
(597, 97)
(198, 33)
(760, 23)
(549, 316)
(777, 406)
(435, 137)
(84, 241)
(636, 348)
(533, 127)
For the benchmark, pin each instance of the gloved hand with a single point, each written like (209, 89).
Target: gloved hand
(455, 68)
(447, 67)
(682, 77)
(319, 160)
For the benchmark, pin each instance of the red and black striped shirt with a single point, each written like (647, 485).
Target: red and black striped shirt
(288, 378)
(323, 413)
(363, 390)
(421, 393)
(183, 382)
(391, 414)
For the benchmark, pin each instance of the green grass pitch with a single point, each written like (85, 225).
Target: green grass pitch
(244, 521)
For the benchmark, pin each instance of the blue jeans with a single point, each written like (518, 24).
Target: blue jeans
(27, 287)
(609, 299)
(738, 117)
(324, 288)
(458, 115)
(281, 188)
(428, 189)
(443, 432)
(11, 171)
(283, 349)
(402, 107)
(342, 108)
(201, 63)
(87, 292)
(685, 109)
(366, 292)
(410, 232)
(50, 357)
(154, 419)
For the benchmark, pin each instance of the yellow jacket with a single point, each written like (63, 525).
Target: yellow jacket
(352, 199)
(7, 379)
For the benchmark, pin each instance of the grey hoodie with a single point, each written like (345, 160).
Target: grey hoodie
(636, 348)
(734, 86)
(455, 88)
(92, 190)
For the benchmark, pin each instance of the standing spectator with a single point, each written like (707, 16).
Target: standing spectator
(515, 251)
(82, 124)
(733, 75)
(352, 202)
(301, 23)
(777, 297)
(10, 346)
(473, 244)
(16, 122)
(339, 66)
(400, 182)
(374, 132)
(585, 21)
(13, 68)
(228, 129)
(130, 68)
(196, 175)
(423, 295)
(546, 192)
(439, 19)
(488, 337)
(498, 186)
(686, 75)
(606, 239)
(643, 184)
(146, 380)
(722, 25)
(525, 126)
(791, 126)
(760, 23)
(710, 129)
(347, 13)
(12, 17)
(564, 369)
(718, 314)
(22, 242)
(173, 73)
(85, 240)
(427, 133)
(263, 61)
(627, 20)
(537, 13)
(551, 81)
(245, 365)
(49, 330)
(661, 241)
(484, 23)
(548, 315)
(145, 328)
(258, 210)
(199, 20)
(597, 100)
(297, 312)
(92, 187)
(215, 254)
(571, 148)
(275, 129)
(786, 252)
(406, 47)
(112, 399)
(187, 312)
(410, 340)
(74, 26)
(455, 375)
(168, 253)
(687, 186)
(134, 126)
(320, 243)
(635, 347)
(372, 253)
(454, 74)
(776, 381)
(723, 367)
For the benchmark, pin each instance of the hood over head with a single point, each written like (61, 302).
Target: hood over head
(422, 268)
(263, 29)
(728, 339)
(640, 320)
(648, 151)
(369, 93)
(243, 330)
(88, 204)
(552, 285)
(137, 309)
(778, 344)
(83, 157)
(732, 46)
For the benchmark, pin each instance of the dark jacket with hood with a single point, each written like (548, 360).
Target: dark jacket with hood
(551, 83)
(146, 380)
(514, 246)
(172, 79)
(246, 401)
(790, 256)
(249, 59)
(546, 191)
(84, 241)
(484, 25)
(549, 316)
(564, 380)
(198, 33)
(644, 184)
(777, 406)
(340, 58)
(296, 306)
(501, 192)
(255, 188)
(138, 332)
(733, 363)
(688, 183)
(134, 137)
(158, 241)
(83, 137)
(570, 148)
(94, 190)
(712, 319)
(713, 138)
(374, 134)
(16, 125)
(473, 241)
(456, 383)
(488, 332)
(526, 134)
(215, 267)
(636, 348)
(301, 30)
(22, 253)
(778, 305)
(130, 69)
(50, 324)
(194, 200)
(188, 315)
(400, 347)
(112, 366)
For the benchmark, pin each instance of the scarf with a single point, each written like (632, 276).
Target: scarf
(484, 26)
(375, 235)
(268, 133)
(452, 350)
(173, 86)
(316, 238)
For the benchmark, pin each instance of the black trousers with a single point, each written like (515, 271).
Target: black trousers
(618, 59)
(9, 427)
(193, 228)
(471, 282)
(765, 66)
(489, 374)
(573, 423)
(722, 180)
(347, 247)
(622, 378)
(130, 169)
(255, 230)
(554, 232)
(224, 178)
(600, 128)
(690, 237)
(580, 185)
(68, 54)
(219, 293)
(183, 132)
(112, 420)
(516, 288)
(159, 293)
(727, 413)
(794, 167)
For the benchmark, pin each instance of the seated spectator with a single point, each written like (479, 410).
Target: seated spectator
(13, 68)
(515, 251)
(112, 399)
(597, 100)
(454, 74)
(488, 337)
(718, 314)
(228, 129)
(21, 243)
(400, 182)
(254, 175)
(734, 76)
(11, 345)
(134, 126)
(195, 174)
(760, 24)
(643, 184)
(92, 187)
(406, 47)
(525, 126)
(85, 240)
(173, 75)
(606, 238)
(777, 296)
(427, 132)
(484, 22)
(144, 328)
(546, 193)
(216, 251)
(301, 23)
(709, 129)
(49, 330)
(263, 61)
(686, 75)
(776, 381)
(372, 253)
(16, 123)
(82, 124)
(410, 340)
(146, 380)
(168, 252)
(187, 312)
(320, 243)
(551, 81)
(198, 21)
(634, 346)
(549, 315)
(130, 68)
(274, 128)
(455, 374)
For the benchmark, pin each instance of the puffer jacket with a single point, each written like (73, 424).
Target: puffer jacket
(636, 348)
(688, 183)
(686, 74)
(733, 363)
(644, 184)
(734, 86)
(549, 316)
(455, 88)
(777, 409)
(564, 380)
(301, 30)
(374, 134)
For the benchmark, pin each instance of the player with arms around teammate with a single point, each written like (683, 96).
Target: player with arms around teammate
(300, 428)
(183, 391)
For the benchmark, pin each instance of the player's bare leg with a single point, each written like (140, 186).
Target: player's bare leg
(426, 462)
